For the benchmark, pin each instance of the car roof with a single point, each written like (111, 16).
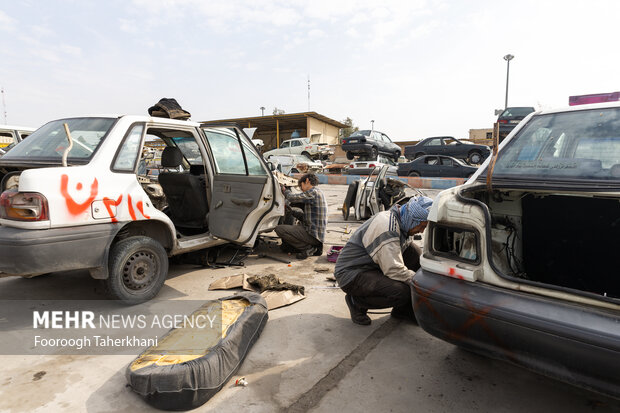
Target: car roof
(20, 128)
(140, 118)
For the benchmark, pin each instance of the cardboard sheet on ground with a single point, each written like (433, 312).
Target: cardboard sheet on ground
(274, 299)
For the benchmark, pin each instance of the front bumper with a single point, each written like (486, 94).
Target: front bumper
(567, 341)
(39, 251)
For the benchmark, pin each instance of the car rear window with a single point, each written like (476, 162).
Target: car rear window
(576, 145)
(360, 133)
(49, 142)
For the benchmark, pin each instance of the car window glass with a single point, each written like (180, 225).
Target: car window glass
(433, 142)
(431, 160)
(255, 166)
(578, 144)
(126, 158)
(446, 161)
(285, 144)
(189, 148)
(385, 138)
(50, 140)
(226, 151)
(296, 143)
(450, 141)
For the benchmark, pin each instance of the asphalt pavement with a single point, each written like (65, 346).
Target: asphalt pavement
(310, 356)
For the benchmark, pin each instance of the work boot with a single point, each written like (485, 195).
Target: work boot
(302, 255)
(319, 251)
(358, 315)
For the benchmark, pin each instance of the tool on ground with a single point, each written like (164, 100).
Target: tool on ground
(241, 382)
(263, 255)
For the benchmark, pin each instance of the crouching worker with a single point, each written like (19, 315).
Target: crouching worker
(375, 267)
(306, 238)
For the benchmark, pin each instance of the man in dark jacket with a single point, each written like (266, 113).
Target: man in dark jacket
(378, 263)
(308, 237)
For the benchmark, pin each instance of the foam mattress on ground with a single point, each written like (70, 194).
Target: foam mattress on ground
(191, 364)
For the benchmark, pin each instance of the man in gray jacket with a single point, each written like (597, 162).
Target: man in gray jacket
(377, 264)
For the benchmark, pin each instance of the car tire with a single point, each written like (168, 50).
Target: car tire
(419, 154)
(374, 152)
(413, 174)
(305, 153)
(138, 267)
(350, 156)
(474, 157)
(396, 156)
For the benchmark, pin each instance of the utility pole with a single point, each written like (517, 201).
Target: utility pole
(262, 111)
(308, 93)
(3, 104)
(507, 58)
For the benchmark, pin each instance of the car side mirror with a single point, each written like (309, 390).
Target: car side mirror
(271, 166)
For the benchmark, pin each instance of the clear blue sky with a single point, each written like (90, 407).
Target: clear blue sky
(418, 68)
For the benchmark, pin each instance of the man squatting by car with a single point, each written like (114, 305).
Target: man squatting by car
(376, 266)
(308, 237)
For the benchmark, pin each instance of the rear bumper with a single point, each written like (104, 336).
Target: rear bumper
(32, 252)
(357, 147)
(569, 342)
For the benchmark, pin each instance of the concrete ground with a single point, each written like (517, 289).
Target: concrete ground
(310, 356)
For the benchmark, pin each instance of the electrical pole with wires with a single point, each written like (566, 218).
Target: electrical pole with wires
(308, 93)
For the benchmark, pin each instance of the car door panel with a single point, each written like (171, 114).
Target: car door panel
(234, 198)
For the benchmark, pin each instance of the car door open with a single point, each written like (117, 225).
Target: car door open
(242, 186)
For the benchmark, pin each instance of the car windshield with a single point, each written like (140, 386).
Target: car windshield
(49, 142)
(514, 112)
(360, 133)
(575, 145)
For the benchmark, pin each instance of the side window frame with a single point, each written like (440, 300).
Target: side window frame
(120, 148)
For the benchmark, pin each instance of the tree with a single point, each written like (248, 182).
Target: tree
(349, 129)
(277, 111)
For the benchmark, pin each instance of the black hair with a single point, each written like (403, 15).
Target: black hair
(314, 181)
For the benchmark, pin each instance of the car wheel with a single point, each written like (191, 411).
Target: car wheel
(350, 156)
(474, 157)
(413, 174)
(396, 156)
(374, 152)
(345, 211)
(417, 155)
(304, 153)
(138, 267)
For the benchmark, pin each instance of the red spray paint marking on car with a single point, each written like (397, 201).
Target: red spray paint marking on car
(74, 207)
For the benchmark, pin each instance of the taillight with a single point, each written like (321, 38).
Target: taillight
(372, 165)
(308, 147)
(344, 141)
(503, 121)
(23, 206)
(351, 166)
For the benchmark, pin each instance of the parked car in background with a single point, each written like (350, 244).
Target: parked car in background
(370, 143)
(527, 271)
(302, 146)
(510, 118)
(76, 201)
(436, 166)
(449, 146)
(365, 165)
(11, 136)
(292, 164)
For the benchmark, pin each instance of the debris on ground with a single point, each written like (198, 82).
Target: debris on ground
(322, 268)
(275, 292)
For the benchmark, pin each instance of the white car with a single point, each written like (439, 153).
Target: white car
(296, 164)
(75, 201)
(302, 146)
(365, 166)
(11, 136)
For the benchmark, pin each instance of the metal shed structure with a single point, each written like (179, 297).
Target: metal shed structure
(273, 129)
